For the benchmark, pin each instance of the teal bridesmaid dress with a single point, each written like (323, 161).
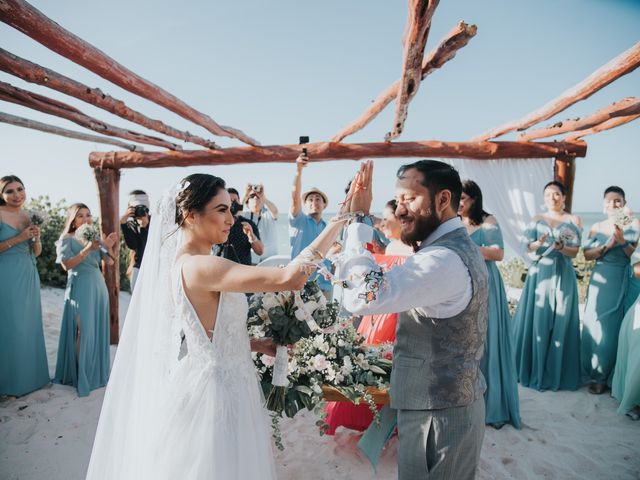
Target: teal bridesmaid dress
(633, 292)
(625, 385)
(547, 321)
(498, 366)
(23, 358)
(604, 310)
(83, 364)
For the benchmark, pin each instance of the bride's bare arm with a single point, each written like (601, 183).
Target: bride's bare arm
(216, 274)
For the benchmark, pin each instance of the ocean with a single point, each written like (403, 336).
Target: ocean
(588, 219)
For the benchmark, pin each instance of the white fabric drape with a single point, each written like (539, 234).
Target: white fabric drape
(511, 191)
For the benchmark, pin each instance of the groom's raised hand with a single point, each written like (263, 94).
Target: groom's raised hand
(361, 189)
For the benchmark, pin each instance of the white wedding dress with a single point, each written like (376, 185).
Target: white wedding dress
(178, 405)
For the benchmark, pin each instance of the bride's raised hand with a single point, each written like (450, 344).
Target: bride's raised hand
(361, 189)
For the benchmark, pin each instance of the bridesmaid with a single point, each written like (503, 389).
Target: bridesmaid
(375, 329)
(626, 377)
(611, 247)
(23, 359)
(83, 350)
(547, 322)
(498, 364)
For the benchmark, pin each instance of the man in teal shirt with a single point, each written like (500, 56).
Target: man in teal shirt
(305, 226)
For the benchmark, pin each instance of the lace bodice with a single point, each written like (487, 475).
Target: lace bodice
(227, 355)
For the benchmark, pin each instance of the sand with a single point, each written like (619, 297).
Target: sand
(48, 435)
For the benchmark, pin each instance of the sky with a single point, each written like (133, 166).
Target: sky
(285, 68)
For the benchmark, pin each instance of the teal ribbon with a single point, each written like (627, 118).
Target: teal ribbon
(376, 436)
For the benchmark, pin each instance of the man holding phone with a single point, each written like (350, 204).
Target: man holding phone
(305, 226)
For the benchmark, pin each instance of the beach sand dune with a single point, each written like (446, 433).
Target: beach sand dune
(48, 435)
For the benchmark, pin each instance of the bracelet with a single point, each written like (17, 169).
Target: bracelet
(8, 243)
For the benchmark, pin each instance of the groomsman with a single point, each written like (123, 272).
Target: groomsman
(441, 295)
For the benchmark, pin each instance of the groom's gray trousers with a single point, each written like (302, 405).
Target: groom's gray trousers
(440, 444)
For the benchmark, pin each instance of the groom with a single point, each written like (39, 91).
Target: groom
(441, 295)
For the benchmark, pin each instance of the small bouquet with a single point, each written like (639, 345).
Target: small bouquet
(286, 317)
(622, 218)
(38, 218)
(87, 233)
(563, 235)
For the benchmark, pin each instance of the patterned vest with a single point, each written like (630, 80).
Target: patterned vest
(436, 361)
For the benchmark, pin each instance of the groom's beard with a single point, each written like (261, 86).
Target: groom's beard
(422, 227)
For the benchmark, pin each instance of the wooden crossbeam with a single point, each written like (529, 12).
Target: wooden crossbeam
(624, 63)
(457, 38)
(33, 73)
(30, 21)
(63, 132)
(609, 124)
(16, 95)
(417, 32)
(338, 151)
(625, 107)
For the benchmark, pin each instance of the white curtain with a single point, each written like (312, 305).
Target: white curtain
(511, 191)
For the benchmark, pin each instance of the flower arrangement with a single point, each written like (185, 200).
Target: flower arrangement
(336, 357)
(287, 317)
(38, 217)
(622, 218)
(87, 233)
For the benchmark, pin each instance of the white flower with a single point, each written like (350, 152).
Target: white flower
(301, 314)
(318, 342)
(316, 388)
(268, 361)
(341, 343)
(319, 362)
(324, 347)
(331, 374)
(270, 301)
(293, 365)
(347, 366)
(322, 300)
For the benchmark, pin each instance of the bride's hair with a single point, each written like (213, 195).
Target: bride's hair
(195, 192)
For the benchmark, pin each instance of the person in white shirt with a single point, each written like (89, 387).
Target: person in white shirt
(441, 292)
(263, 212)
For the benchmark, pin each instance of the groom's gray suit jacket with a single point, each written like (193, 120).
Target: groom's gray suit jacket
(436, 361)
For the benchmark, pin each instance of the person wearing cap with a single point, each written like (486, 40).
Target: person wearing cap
(135, 229)
(305, 226)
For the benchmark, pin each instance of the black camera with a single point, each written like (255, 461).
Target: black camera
(140, 211)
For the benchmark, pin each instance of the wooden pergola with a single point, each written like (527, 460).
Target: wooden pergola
(416, 67)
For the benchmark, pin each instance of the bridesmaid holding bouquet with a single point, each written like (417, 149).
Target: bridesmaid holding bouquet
(23, 359)
(83, 350)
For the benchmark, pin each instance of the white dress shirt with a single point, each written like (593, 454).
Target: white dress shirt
(434, 280)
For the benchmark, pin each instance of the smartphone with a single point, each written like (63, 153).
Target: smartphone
(304, 140)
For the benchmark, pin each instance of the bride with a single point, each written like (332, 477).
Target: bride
(183, 400)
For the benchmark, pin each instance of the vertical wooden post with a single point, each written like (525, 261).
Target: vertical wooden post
(565, 173)
(108, 181)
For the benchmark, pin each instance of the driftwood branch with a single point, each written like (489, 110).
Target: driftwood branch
(625, 107)
(34, 73)
(63, 132)
(418, 26)
(624, 63)
(30, 21)
(12, 94)
(457, 38)
(609, 124)
(338, 151)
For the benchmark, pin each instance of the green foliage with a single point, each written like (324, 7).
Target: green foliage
(51, 273)
(513, 272)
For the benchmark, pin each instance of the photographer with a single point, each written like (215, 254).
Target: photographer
(135, 228)
(261, 211)
(244, 237)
